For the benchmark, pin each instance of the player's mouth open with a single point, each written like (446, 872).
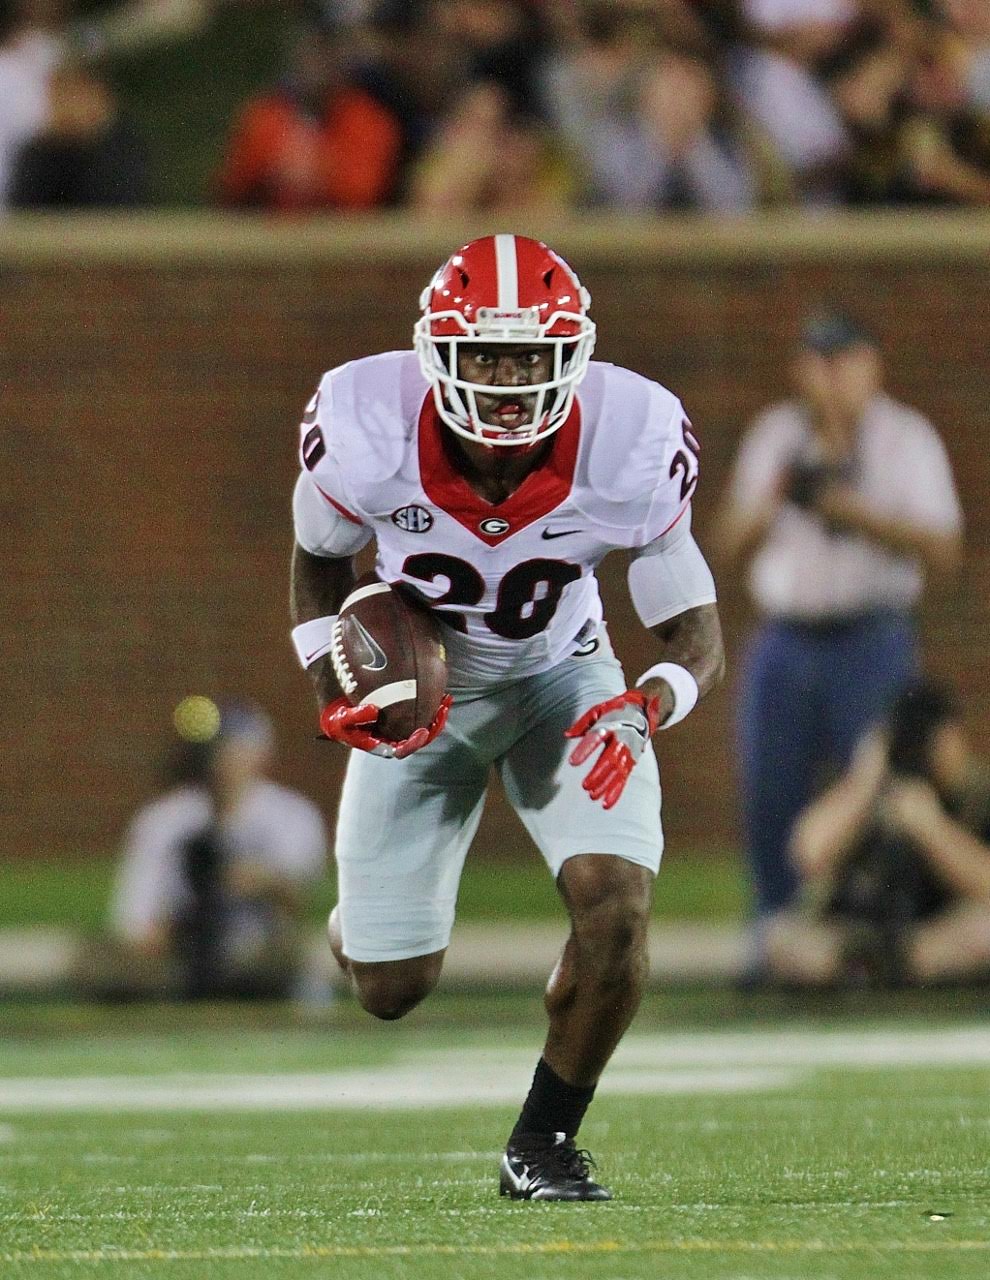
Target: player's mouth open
(511, 413)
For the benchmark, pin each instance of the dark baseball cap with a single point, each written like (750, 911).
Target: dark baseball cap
(830, 331)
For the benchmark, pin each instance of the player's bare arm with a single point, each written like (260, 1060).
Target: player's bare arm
(692, 640)
(318, 587)
(673, 592)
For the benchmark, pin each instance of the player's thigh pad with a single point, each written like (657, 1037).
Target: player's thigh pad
(403, 830)
(546, 790)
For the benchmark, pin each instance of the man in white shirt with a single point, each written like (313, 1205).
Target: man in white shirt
(841, 500)
(215, 872)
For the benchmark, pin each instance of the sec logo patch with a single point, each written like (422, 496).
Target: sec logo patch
(413, 519)
(494, 525)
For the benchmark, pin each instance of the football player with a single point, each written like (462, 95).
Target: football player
(495, 466)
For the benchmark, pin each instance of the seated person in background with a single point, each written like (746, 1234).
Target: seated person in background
(776, 81)
(489, 158)
(317, 141)
(896, 859)
(41, 39)
(648, 126)
(969, 36)
(682, 145)
(412, 75)
(87, 155)
(210, 892)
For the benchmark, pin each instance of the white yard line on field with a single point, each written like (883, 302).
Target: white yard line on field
(464, 1085)
(681, 1063)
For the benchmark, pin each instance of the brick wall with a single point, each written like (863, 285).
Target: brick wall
(152, 377)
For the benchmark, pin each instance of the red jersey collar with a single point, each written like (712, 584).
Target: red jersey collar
(541, 492)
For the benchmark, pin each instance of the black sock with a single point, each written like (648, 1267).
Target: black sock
(553, 1105)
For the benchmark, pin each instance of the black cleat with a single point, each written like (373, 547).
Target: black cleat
(543, 1166)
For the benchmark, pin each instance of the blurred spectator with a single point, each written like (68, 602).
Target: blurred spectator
(690, 26)
(868, 80)
(75, 111)
(674, 152)
(592, 79)
(647, 126)
(317, 142)
(413, 75)
(969, 28)
(896, 858)
(86, 155)
(29, 54)
(840, 499)
(503, 41)
(948, 136)
(212, 884)
(487, 158)
(775, 74)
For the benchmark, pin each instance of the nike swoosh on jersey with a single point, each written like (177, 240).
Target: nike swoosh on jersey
(547, 534)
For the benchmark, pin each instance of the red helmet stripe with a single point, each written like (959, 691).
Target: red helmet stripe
(507, 269)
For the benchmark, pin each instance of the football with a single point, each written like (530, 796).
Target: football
(388, 651)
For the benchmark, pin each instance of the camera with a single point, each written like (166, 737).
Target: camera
(807, 478)
(916, 717)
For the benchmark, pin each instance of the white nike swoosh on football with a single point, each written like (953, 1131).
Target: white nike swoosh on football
(376, 653)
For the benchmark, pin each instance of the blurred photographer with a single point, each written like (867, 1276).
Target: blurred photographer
(842, 502)
(896, 856)
(212, 885)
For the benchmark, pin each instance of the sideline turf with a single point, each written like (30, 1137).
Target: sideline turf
(834, 1176)
(691, 888)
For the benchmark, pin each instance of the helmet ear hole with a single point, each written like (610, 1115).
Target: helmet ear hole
(548, 276)
(465, 278)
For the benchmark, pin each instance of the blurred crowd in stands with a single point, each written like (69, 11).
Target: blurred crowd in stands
(720, 106)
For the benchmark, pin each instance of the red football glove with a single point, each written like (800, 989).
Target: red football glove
(622, 726)
(341, 722)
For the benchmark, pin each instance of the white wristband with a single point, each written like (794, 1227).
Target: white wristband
(682, 684)
(313, 639)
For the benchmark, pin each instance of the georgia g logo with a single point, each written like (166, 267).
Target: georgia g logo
(412, 519)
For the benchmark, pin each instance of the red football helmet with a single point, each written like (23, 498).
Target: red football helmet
(509, 290)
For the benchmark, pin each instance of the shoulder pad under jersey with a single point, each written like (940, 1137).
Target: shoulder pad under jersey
(632, 430)
(367, 411)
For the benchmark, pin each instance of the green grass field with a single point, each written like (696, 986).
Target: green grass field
(237, 1145)
(692, 888)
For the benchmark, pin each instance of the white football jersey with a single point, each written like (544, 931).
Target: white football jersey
(514, 581)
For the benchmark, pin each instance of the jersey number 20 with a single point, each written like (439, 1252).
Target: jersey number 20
(527, 596)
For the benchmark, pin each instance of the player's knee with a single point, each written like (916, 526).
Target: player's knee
(606, 893)
(390, 991)
(609, 902)
(386, 1003)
